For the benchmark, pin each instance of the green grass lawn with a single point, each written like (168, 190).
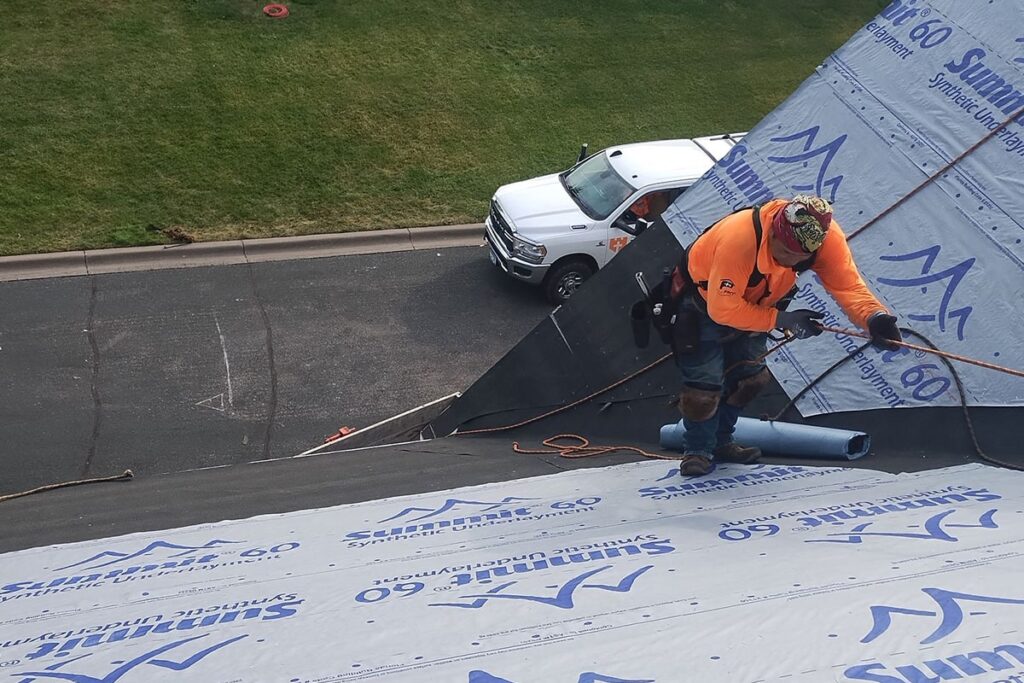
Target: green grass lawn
(123, 118)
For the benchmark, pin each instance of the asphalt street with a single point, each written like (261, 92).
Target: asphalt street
(172, 370)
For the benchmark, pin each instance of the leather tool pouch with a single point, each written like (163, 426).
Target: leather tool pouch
(685, 329)
(640, 319)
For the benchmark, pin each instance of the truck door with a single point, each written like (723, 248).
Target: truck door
(639, 214)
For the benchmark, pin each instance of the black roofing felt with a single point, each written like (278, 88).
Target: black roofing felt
(590, 348)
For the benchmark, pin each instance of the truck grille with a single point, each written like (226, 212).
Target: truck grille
(501, 228)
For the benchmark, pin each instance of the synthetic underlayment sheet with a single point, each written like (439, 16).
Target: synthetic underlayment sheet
(622, 574)
(918, 86)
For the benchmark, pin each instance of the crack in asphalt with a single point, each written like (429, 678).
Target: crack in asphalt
(97, 404)
(272, 407)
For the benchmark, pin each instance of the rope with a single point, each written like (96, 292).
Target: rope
(490, 430)
(583, 449)
(812, 383)
(127, 476)
(759, 359)
(963, 401)
(627, 378)
(932, 350)
(935, 175)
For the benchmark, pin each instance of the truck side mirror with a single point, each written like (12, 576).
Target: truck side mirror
(583, 153)
(632, 228)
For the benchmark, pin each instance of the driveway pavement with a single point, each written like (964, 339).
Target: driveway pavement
(171, 370)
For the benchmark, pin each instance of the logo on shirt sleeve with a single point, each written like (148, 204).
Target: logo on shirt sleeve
(726, 287)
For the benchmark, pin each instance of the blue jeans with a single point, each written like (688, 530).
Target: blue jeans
(720, 349)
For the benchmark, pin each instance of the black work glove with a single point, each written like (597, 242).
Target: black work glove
(882, 327)
(802, 322)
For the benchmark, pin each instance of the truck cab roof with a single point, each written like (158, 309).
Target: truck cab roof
(644, 164)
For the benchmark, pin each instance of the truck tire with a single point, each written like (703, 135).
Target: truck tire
(564, 279)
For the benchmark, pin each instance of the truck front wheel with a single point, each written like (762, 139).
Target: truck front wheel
(565, 278)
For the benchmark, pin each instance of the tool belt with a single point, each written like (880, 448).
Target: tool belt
(675, 319)
(674, 307)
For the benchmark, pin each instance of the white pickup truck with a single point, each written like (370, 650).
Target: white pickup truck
(559, 229)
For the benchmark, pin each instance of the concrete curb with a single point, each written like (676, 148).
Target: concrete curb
(234, 252)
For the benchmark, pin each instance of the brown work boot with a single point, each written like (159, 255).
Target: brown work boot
(733, 452)
(693, 465)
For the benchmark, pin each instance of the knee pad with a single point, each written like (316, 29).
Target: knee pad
(747, 388)
(698, 404)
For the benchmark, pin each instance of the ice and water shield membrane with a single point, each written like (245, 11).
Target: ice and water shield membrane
(622, 574)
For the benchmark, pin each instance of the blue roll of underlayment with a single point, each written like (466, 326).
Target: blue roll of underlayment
(786, 439)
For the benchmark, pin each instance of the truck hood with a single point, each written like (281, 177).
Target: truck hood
(539, 205)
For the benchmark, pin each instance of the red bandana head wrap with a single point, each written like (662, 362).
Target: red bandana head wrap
(801, 224)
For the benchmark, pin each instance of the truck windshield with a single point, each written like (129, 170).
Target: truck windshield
(596, 187)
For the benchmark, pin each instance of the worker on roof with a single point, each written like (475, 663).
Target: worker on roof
(651, 205)
(645, 210)
(734, 279)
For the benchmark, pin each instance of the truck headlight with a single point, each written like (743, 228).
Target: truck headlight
(528, 251)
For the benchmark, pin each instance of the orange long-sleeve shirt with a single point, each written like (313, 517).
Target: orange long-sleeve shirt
(725, 255)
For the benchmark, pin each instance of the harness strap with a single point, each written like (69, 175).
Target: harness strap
(756, 276)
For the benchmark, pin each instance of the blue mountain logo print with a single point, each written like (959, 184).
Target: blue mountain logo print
(154, 548)
(453, 503)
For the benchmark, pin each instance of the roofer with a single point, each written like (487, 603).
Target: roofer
(651, 205)
(647, 209)
(733, 276)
